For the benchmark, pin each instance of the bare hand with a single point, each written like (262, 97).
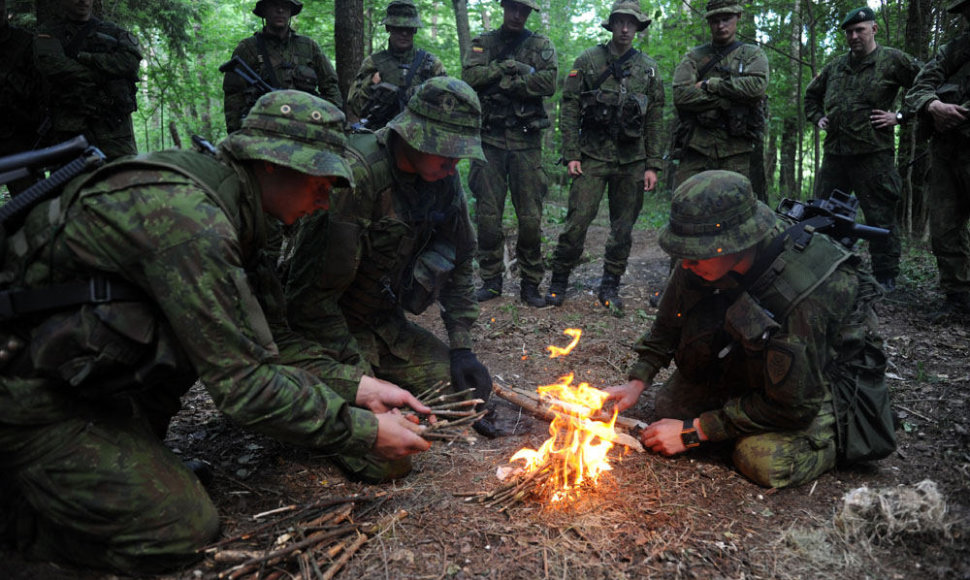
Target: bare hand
(398, 437)
(375, 79)
(625, 396)
(574, 168)
(882, 119)
(379, 396)
(946, 115)
(663, 437)
(649, 180)
(823, 123)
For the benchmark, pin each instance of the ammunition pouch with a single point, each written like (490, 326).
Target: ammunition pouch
(597, 110)
(633, 115)
(430, 272)
(711, 119)
(383, 104)
(305, 79)
(503, 113)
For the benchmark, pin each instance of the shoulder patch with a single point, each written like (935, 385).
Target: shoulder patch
(573, 72)
(778, 363)
(478, 49)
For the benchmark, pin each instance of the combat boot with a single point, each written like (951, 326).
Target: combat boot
(609, 292)
(557, 288)
(956, 305)
(530, 294)
(491, 288)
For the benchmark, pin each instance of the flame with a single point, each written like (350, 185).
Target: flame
(555, 351)
(576, 451)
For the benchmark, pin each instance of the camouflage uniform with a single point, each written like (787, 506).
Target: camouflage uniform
(21, 94)
(92, 89)
(947, 78)
(513, 117)
(858, 157)
(393, 67)
(749, 377)
(720, 122)
(178, 238)
(614, 130)
(295, 62)
(396, 244)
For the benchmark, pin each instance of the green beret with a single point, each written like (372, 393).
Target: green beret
(864, 14)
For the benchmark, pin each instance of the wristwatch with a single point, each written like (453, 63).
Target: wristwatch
(899, 118)
(688, 435)
(704, 86)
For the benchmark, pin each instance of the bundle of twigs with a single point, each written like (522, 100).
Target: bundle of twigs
(459, 409)
(312, 541)
(516, 489)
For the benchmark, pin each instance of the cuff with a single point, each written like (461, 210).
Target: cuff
(714, 425)
(363, 436)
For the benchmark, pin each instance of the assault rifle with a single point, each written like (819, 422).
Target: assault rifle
(246, 73)
(834, 216)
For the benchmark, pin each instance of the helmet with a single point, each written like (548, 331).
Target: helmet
(295, 7)
(402, 14)
(723, 7)
(630, 7)
(957, 6)
(443, 117)
(530, 3)
(296, 130)
(715, 213)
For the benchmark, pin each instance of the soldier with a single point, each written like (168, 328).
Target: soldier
(852, 100)
(21, 95)
(611, 120)
(138, 280)
(283, 58)
(387, 79)
(941, 92)
(400, 242)
(512, 69)
(90, 67)
(760, 349)
(719, 93)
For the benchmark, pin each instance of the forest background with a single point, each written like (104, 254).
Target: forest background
(185, 41)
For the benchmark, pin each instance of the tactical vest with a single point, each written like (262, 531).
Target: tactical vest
(390, 96)
(740, 120)
(614, 111)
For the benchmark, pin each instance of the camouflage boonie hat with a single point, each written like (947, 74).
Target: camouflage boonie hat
(629, 7)
(443, 117)
(402, 14)
(714, 213)
(723, 7)
(295, 7)
(858, 15)
(296, 130)
(957, 6)
(530, 3)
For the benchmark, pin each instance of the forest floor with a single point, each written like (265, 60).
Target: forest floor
(693, 516)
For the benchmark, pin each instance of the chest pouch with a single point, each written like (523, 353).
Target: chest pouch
(431, 270)
(749, 324)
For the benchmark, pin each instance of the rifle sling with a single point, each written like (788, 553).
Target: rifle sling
(718, 55)
(97, 290)
(514, 45)
(614, 67)
(267, 63)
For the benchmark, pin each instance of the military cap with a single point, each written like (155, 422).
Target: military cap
(723, 7)
(629, 7)
(715, 213)
(864, 14)
(443, 117)
(295, 7)
(402, 14)
(530, 3)
(296, 130)
(957, 6)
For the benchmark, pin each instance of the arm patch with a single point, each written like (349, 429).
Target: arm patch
(778, 364)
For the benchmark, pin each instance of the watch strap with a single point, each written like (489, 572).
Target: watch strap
(688, 435)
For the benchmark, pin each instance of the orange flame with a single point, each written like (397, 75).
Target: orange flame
(555, 351)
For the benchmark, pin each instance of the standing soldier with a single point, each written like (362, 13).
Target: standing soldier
(21, 96)
(941, 92)
(512, 69)
(91, 67)
(387, 79)
(282, 58)
(612, 105)
(719, 93)
(852, 100)
(401, 241)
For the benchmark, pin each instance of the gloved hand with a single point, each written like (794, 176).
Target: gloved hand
(468, 373)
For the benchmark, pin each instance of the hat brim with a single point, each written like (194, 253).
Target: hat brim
(705, 247)
(303, 157)
(257, 10)
(725, 10)
(643, 24)
(418, 133)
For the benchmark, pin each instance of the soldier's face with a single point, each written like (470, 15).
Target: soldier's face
(277, 15)
(861, 38)
(289, 195)
(514, 15)
(718, 267)
(624, 27)
(433, 167)
(399, 38)
(723, 28)
(77, 10)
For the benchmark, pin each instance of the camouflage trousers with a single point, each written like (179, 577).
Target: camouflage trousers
(875, 181)
(949, 204)
(98, 489)
(695, 162)
(521, 174)
(772, 459)
(625, 183)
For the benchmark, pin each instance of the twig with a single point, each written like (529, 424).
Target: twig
(920, 415)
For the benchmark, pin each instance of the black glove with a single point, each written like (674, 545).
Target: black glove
(468, 373)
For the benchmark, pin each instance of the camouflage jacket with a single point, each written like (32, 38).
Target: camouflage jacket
(21, 93)
(393, 68)
(947, 78)
(512, 91)
(395, 243)
(735, 86)
(189, 233)
(297, 63)
(91, 91)
(847, 91)
(717, 329)
(621, 120)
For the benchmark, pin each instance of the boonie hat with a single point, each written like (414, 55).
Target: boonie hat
(443, 117)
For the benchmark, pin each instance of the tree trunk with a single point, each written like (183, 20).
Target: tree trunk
(463, 28)
(914, 165)
(348, 36)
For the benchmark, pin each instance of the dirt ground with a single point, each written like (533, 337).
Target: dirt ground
(692, 516)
